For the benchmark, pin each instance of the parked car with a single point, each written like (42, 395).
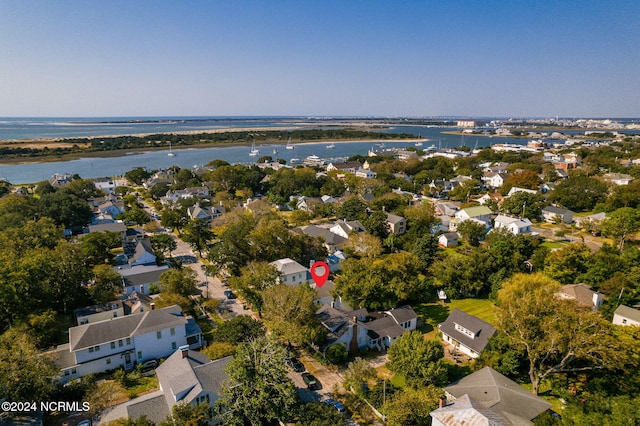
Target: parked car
(149, 365)
(336, 404)
(310, 381)
(85, 423)
(229, 294)
(295, 365)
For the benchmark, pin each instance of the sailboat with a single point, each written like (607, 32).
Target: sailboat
(289, 146)
(254, 152)
(170, 153)
(419, 143)
(331, 145)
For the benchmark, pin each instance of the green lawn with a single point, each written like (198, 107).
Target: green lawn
(434, 313)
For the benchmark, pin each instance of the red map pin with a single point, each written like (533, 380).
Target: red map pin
(320, 273)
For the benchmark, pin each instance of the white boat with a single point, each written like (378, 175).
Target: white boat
(275, 151)
(254, 152)
(418, 144)
(331, 146)
(294, 161)
(289, 146)
(170, 153)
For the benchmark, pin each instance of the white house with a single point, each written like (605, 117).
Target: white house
(124, 341)
(143, 255)
(556, 214)
(139, 278)
(494, 180)
(618, 178)
(291, 272)
(365, 173)
(397, 225)
(186, 377)
(448, 239)
(515, 189)
(625, 315)
(582, 294)
(512, 224)
(466, 333)
(345, 227)
(478, 214)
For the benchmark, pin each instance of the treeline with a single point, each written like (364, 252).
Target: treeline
(162, 140)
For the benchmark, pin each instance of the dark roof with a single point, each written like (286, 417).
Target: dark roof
(331, 318)
(84, 336)
(142, 274)
(328, 236)
(108, 227)
(142, 248)
(94, 309)
(555, 210)
(403, 314)
(382, 327)
(482, 330)
(504, 396)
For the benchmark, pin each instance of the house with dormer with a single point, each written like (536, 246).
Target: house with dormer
(125, 341)
(466, 333)
(291, 272)
(486, 397)
(358, 329)
(186, 377)
(205, 213)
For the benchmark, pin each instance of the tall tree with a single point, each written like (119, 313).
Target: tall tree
(197, 234)
(419, 360)
(258, 390)
(621, 223)
(472, 231)
(178, 281)
(555, 335)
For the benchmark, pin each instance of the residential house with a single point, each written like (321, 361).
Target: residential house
(139, 278)
(497, 168)
(360, 329)
(557, 215)
(494, 180)
(174, 196)
(446, 209)
(143, 255)
(186, 377)
(117, 227)
(331, 240)
(124, 341)
(132, 304)
(618, 178)
(344, 228)
(347, 166)
(486, 397)
(152, 182)
(494, 197)
(291, 272)
(590, 221)
(101, 312)
(397, 225)
(466, 333)
(205, 213)
(478, 214)
(515, 189)
(583, 295)
(448, 239)
(512, 224)
(308, 204)
(365, 173)
(106, 184)
(625, 315)
(60, 180)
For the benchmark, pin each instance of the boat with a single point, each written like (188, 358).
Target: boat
(294, 161)
(418, 144)
(171, 153)
(275, 151)
(254, 152)
(331, 146)
(289, 146)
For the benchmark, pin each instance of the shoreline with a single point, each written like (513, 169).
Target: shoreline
(143, 150)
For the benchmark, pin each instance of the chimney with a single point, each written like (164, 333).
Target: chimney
(185, 351)
(153, 306)
(443, 402)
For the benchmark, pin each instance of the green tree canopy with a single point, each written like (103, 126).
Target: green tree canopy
(419, 360)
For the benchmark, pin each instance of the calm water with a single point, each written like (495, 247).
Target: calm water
(186, 158)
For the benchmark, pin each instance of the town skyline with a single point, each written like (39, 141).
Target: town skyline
(358, 59)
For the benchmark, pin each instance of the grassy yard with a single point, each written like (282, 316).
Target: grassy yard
(433, 314)
(142, 385)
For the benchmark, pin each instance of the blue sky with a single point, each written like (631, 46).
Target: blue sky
(362, 58)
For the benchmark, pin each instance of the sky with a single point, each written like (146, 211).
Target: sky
(319, 58)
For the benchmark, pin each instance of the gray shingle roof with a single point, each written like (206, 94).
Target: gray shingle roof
(627, 312)
(142, 274)
(101, 332)
(504, 396)
(482, 330)
(328, 236)
(403, 314)
(382, 327)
